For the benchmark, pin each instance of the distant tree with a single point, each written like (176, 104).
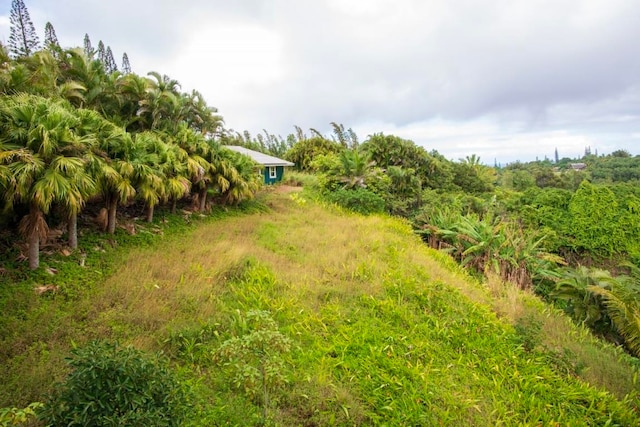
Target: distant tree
(472, 160)
(339, 133)
(596, 221)
(316, 132)
(518, 179)
(303, 152)
(473, 178)
(23, 39)
(110, 63)
(126, 66)
(88, 49)
(545, 176)
(389, 150)
(300, 136)
(621, 153)
(346, 137)
(50, 37)
(102, 54)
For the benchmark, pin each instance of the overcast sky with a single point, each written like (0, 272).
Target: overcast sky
(503, 79)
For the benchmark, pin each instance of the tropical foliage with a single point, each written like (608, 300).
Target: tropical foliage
(78, 138)
(523, 223)
(75, 131)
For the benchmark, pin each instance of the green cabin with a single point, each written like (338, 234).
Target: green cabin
(271, 168)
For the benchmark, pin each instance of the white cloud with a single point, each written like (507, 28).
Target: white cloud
(504, 79)
(231, 60)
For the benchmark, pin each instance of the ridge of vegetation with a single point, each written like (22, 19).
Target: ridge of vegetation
(383, 329)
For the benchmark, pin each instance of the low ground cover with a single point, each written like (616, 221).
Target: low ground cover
(379, 328)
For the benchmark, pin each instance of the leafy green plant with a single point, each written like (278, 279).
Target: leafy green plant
(254, 358)
(113, 386)
(491, 245)
(12, 417)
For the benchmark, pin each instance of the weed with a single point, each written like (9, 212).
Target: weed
(528, 329)
(254, 357)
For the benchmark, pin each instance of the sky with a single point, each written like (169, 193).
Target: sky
(506, 80)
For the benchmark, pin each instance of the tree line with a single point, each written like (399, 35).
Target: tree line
(75, 130)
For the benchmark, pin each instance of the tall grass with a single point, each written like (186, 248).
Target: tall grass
(384, 329)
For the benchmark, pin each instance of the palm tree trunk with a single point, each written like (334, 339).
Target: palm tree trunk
(72, 230)
(34, 251)
(150, 213)
(202, 197)
(174, 205)
(111, 222)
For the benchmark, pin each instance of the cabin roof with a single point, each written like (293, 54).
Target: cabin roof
(578, 166)
(258, 157)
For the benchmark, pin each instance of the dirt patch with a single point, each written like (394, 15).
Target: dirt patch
(287, 189)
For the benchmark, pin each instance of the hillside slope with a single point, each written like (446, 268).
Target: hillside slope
(385, 331)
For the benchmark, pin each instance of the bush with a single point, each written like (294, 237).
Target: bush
(112, 386)
(358, 200)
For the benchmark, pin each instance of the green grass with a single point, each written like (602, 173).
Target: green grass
(385, 331)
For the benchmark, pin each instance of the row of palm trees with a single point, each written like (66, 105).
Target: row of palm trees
(71, 132)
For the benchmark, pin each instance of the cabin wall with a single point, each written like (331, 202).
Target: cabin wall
(266, 174)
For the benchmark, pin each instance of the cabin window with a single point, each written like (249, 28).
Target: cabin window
(272, 172)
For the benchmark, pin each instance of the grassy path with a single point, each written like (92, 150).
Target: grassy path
(386, 331)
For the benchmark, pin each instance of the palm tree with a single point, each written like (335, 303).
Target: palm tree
(356, 167)
(579, 287)
(218, 175)
(472, 160)
(175, 168)
(159, 107)
(46, 164)
(186, 164)
(622, 302)
(132, 89)
(148, 150)
(86, 73)
(112, 166)
(243, 182)
(195, 112)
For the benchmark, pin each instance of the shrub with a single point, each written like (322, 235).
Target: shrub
(358, 200)
(113, 386)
